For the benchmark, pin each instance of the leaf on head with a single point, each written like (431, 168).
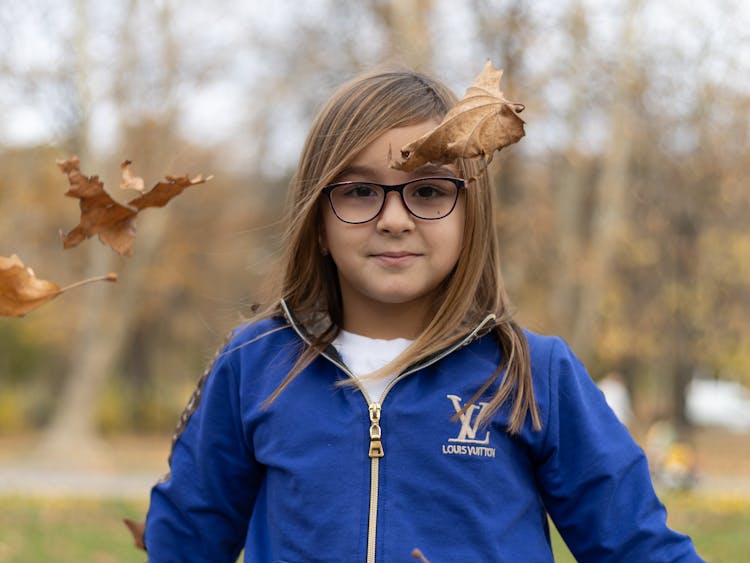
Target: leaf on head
(482, 122)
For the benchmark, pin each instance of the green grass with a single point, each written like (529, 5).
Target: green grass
(91, 531)
(718, 526)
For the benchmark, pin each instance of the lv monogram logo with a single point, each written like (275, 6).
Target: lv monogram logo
(468, 432)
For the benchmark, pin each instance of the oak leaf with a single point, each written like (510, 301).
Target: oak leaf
(482, 122)
(101, 215)
(21, 291)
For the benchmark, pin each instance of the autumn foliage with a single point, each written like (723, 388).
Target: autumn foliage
(21, 291)
(101, 215)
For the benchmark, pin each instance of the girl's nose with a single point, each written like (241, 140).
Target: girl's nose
(394, 217)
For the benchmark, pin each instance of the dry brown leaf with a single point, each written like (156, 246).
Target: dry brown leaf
(137, 529)
(481, 123)
(101, 215)
(416, 553)
(21, 291)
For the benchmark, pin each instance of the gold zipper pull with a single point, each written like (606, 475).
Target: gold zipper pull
(376, 446)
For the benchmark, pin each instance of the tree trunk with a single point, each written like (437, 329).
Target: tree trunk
(72, 434)
(609, 211)
(108, 318)
(409, 35)
(72, 437)
(570, 191)
(683, 331)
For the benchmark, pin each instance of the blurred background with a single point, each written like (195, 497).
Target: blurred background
(624, 215)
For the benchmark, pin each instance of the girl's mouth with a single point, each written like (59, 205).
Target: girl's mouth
(395, 258)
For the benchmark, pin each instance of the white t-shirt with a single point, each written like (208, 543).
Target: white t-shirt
(363, 355)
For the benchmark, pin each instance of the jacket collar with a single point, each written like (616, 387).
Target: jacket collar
(316, 325)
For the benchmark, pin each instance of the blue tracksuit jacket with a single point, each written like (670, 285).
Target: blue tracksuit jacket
(325, 475)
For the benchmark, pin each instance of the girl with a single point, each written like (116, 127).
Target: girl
(466, 431)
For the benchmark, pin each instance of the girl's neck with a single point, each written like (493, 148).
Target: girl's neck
(386, 321)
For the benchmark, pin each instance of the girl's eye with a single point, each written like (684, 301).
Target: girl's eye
(359, 191)
(428, 191)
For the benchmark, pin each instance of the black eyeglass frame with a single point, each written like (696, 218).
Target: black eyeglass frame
(460, 184)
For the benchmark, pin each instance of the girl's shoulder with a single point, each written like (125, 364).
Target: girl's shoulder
(259, 327)
(258, 333)
(544, 348)
(554, 364)
(541, 341)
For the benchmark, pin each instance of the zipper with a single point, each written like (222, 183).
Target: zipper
(376, 444)
(374, 409)
(376, 452)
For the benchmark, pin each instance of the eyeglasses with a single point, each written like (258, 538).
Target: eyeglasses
(425, 198)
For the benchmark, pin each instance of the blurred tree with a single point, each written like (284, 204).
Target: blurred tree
(609, 212)
(406, 23)
(105, 322)
(570, 195)
(623, 213)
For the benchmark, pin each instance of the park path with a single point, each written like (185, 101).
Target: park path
(30, 480)
(124, 468)
(129, 468)
(33, 480)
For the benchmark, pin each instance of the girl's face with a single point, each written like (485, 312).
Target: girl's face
(389, 267)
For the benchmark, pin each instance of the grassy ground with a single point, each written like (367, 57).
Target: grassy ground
(718, 526)
(64, 529)
(91, 531)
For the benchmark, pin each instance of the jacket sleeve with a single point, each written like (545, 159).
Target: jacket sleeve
(201, 511)
(593, 477)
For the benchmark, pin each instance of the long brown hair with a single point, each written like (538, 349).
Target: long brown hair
(357, 113)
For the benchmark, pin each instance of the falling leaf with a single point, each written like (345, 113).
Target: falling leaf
(137, 529)
(21, 291)
(101, 215)
(481, 123)
(129, 181)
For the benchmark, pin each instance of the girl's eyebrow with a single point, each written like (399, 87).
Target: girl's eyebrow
(434, 170)
(370, 172)
(358, 170)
